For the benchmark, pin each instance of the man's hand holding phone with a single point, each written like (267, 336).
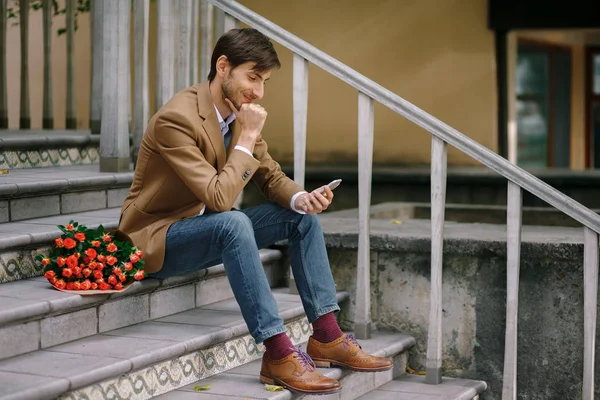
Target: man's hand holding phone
(318, 200)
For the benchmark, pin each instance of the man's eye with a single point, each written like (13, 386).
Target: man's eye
(253, 78)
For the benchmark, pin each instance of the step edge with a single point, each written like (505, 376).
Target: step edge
(146, 286)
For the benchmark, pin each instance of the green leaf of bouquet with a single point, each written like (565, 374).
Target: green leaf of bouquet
(61, 227)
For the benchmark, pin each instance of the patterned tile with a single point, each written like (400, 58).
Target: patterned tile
(170, 375)
(12, 159)
(20, 264)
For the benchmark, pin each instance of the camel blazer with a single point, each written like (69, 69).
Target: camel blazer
(183, 165)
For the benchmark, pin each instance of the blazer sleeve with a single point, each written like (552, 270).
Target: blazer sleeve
(272, 181)
(176, 141)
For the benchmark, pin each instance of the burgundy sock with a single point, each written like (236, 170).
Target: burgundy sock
(279, 346)
(326, 328)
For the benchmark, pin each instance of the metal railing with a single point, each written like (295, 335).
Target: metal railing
(518, 179)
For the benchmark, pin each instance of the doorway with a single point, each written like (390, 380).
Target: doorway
(592, 114)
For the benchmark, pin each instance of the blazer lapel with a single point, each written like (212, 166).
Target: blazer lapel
(206, 110)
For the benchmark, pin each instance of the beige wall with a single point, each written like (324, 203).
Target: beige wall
(437, 54)
(59, 70)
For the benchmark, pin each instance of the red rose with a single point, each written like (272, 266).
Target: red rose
(106, 237)
(70, 286)
(91, 253)
(49, 274)
(103, 286)
(60, 261)
(112, 247)
(67, 272)
(59, 242)
(70, 243)
(85, 285)
(45, 261)
(86, 272)
(59, 284)
(98, 274)
(100, 267)
(80, 236)
(119, 286)
(128, 266)
(72, 261)
(111, 260)
(99, 280)
(117, 271)
(93, 286)
(77, 271)
(101, 258)
(139, 253)
(77, 285)
(53, 280)
(134, 258)
(122, 277)
(96, 243)
(69, 227)
(139, 275)
(112, 280)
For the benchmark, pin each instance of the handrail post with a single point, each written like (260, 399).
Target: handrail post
(366, 123)
(439, 162)
(590, 304)
(3, 59)
(25, 115)
(47, 115)
(141, 9)
(71, 116)
(97, 17)
(513, 263)
(300, 100)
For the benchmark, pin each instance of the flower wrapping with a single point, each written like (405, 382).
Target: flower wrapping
(88, 261)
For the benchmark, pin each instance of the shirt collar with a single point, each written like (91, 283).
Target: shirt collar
(224, 123)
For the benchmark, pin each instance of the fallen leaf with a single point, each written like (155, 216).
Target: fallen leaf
(3, 171)
(403, 283)
(396, 222)
(273, 388)
(201, 388)
(414, 372)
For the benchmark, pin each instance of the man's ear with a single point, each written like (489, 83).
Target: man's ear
(222, 66)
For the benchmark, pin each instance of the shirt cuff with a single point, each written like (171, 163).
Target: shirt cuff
(293, 201)
(242, 148)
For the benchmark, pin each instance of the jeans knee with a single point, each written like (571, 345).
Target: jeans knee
(309, 222)
(237, 225)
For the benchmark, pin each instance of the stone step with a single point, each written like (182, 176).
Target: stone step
(243, 383)
(40, 192)
(34, 315)
(413, 387)
(21, 242)
(146, 359)
(44, 148)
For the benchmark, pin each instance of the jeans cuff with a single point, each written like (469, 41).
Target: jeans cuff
(322, 311)
(262, 337)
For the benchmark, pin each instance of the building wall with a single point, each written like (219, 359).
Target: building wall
(437, 55)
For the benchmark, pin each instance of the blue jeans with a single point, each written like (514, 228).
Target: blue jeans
(233, 238)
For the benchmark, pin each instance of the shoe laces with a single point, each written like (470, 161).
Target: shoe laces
(350, 339)
(304, 359)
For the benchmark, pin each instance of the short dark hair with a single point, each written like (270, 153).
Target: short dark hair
(244, 45)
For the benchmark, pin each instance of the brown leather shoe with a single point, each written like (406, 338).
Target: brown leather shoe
(297, 372)
(345, 352)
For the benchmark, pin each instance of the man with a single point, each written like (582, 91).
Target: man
(198, 153)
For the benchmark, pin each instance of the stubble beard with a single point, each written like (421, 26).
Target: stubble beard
(227, 90)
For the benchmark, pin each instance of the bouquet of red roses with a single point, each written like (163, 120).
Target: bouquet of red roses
(84, 259)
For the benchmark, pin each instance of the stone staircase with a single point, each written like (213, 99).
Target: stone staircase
(157, 339)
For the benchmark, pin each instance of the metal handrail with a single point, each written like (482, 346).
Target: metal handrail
(495, 162)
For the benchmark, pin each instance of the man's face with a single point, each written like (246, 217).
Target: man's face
(244, 84)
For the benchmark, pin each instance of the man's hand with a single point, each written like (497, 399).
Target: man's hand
(251, 118)
(314, 202)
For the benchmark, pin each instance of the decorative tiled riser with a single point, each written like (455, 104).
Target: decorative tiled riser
(170, 375)
(17, 265)
(11, 159)
(66, 203)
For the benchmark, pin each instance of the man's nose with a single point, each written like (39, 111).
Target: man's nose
(258, 92)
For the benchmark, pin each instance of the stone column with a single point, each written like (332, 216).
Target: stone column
(25, 116)
(194, 65)
(184, 14)
(207, 41)
(97, 51)
(141, 113)
(165, 56)
(48, 113)
(114, 139)
(3, 94)
(71, 121)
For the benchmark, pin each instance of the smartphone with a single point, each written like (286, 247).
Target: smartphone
(332, 185)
